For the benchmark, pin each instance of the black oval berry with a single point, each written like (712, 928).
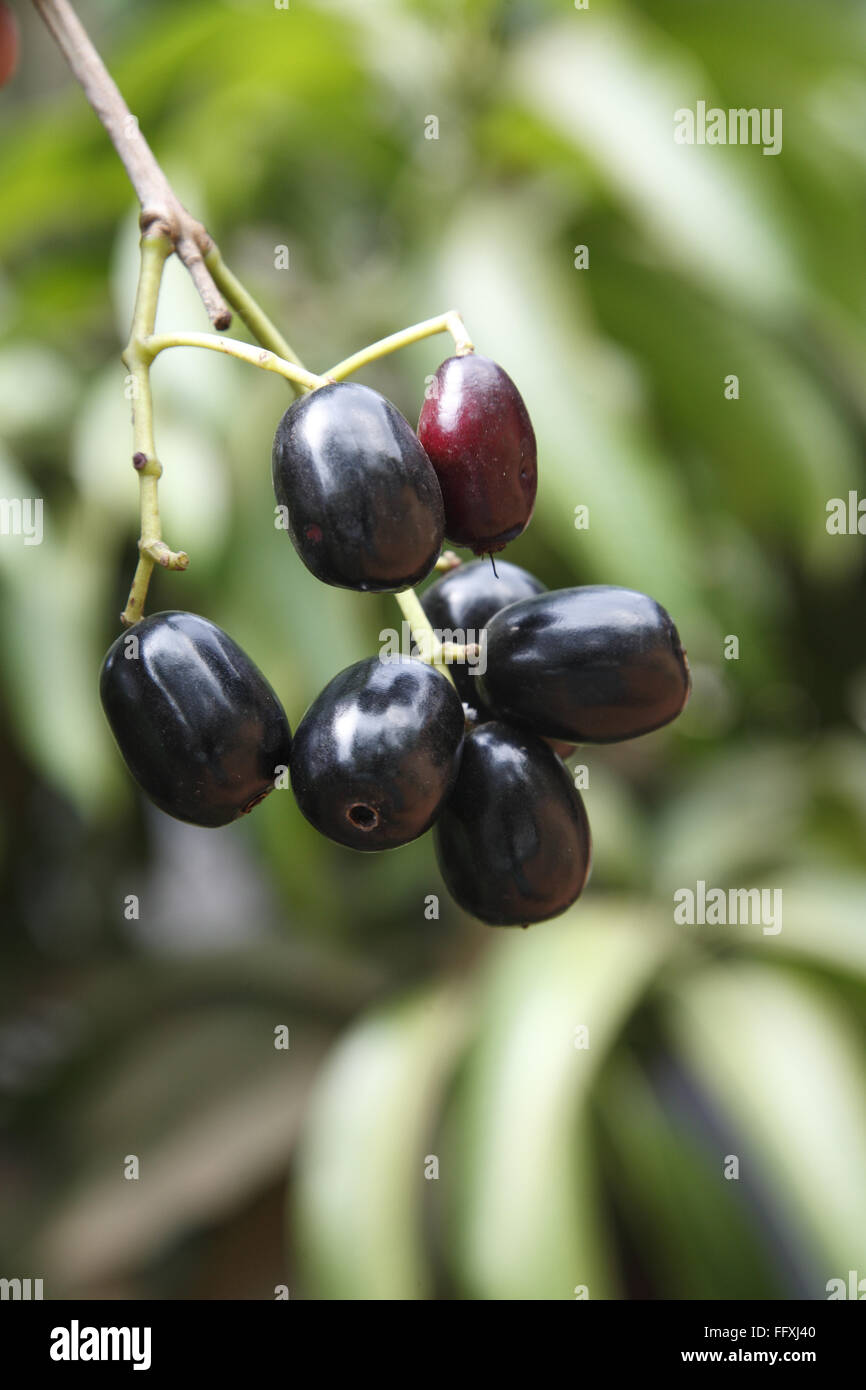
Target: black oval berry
(513, 841)
(479, 438)
(364, 507)
(377, 752)
(590, 665)
(462, 602)
(199, 727)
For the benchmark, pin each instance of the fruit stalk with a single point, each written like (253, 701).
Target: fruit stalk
(423, 636)
(155, 251)
(253, 315)
(296, 375)
(167, 226)
(449, 322)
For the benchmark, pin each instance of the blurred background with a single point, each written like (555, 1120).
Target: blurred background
(560, 1166)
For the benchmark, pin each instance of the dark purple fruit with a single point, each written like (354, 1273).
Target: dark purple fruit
(590, 665)
(364, 507)
(377, 752)
(462, 602)
(199, 727)
(479, 438)
(513, 841)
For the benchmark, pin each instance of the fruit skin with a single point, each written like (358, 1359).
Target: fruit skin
(10, 42)
(364, 507)
(513, 841)
(479, 438)
(377, 752)
(465, 599)
(590, 665)
(199, 727)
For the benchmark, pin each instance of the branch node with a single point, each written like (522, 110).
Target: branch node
(448, 560)
(159, 552)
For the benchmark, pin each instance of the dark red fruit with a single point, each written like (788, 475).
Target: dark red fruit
(480, 440)
(199, 727)
(462, 602)
(10, 40)
(513, 841)
(377, 752)
(364, 507)
(590, 665)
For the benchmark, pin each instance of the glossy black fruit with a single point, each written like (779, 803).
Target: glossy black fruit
(364, 507)
(513, 841)
(377, 752)
(590, 665)
(479, 438)
(199, 727)
(462, 602)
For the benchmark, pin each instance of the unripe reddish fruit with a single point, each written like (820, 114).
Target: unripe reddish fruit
(479, 438)
(9, 43)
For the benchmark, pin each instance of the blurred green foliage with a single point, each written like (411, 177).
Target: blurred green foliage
(559, 1166)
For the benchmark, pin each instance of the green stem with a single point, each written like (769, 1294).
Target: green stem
(274, 355)
(244, 352)
(422, 632)
(262, 328)
(450, 322)
(155, 250)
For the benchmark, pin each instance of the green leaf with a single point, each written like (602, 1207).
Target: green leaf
(360, 1190)
(51, 629)
(694, 1236)
(524, 1204)
(735, 814)
(822, 921)
(612, 85)
(784, 1062)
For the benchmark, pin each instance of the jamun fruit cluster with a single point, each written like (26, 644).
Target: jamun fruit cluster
(395, 744)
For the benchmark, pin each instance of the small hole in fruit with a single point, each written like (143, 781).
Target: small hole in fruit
(363, 817)
(313, 533)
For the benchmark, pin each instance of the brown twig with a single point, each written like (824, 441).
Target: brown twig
(162, 212)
